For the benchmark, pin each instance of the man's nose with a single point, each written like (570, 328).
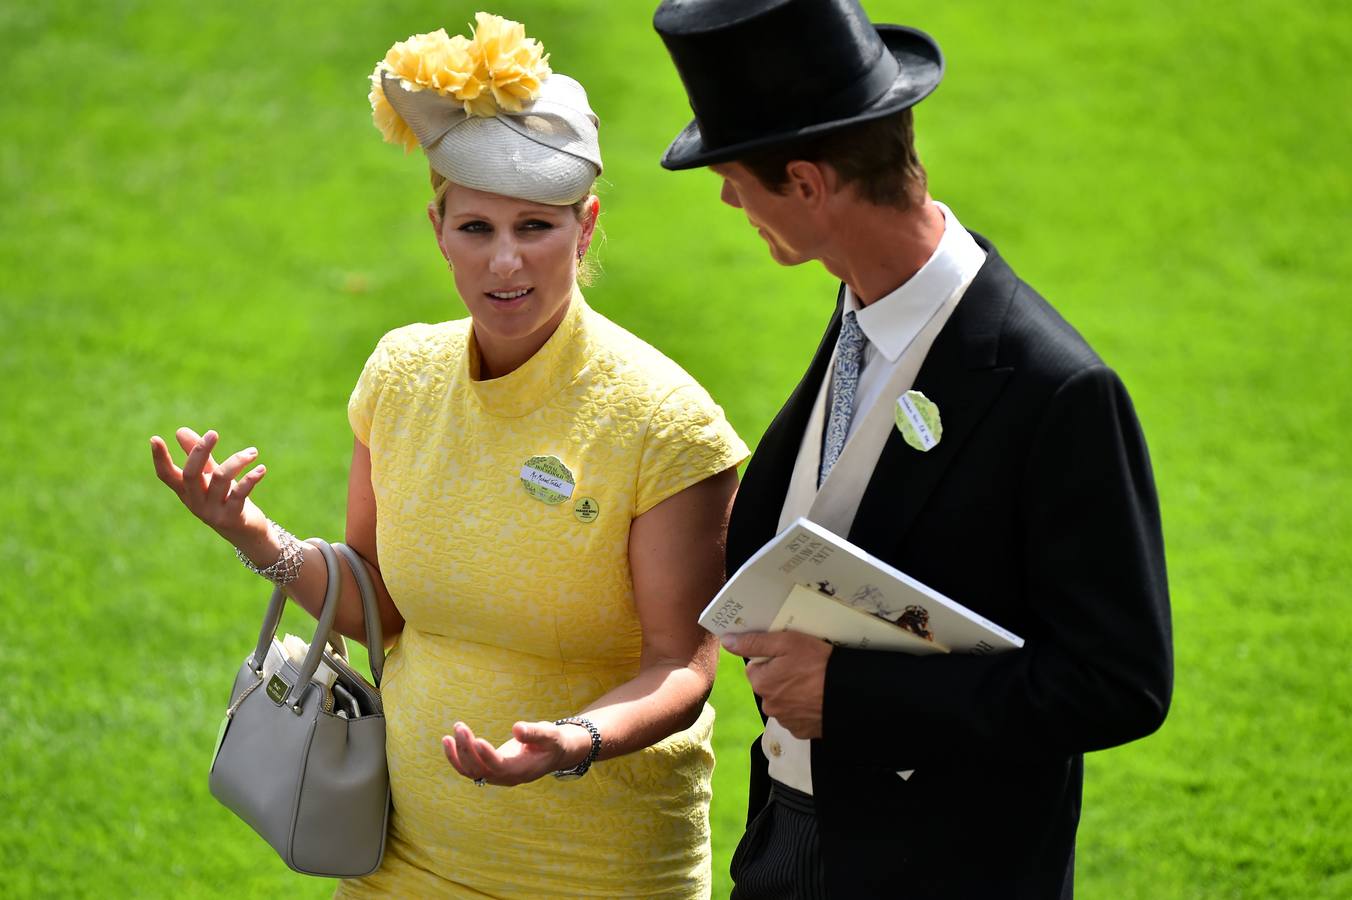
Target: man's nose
(506, 258)
(729, 196)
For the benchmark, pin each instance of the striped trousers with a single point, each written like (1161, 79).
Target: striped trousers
(779, 857)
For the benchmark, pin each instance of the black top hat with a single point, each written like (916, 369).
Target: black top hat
(763, 72)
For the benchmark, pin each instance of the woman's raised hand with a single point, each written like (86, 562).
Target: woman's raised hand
(208, 488)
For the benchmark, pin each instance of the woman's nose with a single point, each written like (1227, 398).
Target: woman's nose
(506, 258)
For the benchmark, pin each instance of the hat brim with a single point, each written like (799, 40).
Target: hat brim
(921, 68)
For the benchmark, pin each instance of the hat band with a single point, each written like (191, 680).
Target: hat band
(849, 100)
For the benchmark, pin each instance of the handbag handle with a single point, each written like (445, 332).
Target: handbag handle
(375, 637)
(371, 614)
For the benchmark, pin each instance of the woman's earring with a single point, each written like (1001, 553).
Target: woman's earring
(581, 252)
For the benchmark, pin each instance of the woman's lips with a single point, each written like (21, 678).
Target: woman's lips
(509, 299)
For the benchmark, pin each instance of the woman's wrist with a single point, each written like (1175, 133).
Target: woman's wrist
(272, 552)
(258, 543)
(576, 744)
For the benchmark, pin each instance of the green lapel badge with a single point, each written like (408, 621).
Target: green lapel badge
(547, 479)
(918, 420)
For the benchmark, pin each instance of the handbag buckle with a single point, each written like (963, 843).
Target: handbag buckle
(277, 689)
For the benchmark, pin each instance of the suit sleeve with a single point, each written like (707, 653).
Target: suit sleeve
(1096, 671)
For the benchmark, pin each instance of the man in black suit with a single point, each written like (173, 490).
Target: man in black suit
(1021, 489)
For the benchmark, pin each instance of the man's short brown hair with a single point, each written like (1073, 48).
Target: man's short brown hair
(877, 158)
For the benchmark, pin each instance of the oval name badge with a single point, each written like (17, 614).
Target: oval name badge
(918, 420)
(547, 479)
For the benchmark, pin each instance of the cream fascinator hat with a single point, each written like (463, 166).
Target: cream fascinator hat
(489, 113)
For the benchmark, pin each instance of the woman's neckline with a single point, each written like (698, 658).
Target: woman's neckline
(531, 384)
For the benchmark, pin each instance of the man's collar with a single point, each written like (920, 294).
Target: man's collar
(891, 323)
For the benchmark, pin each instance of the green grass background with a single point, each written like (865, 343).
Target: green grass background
(199, 225)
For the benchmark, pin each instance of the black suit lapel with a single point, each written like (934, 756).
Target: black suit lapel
(961, 377)
(760, 499)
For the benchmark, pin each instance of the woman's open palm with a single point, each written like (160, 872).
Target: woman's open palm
(209, 489)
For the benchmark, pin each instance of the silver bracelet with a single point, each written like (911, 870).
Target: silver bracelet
(581, 768)
(287, 567)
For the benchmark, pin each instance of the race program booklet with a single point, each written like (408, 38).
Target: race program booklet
(810, 580)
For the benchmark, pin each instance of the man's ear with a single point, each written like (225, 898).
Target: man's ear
(810, 182)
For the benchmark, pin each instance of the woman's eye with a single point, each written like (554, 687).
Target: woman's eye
(536, 225)
(475, 227)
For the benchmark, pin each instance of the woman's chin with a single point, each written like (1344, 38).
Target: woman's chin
(506, 327)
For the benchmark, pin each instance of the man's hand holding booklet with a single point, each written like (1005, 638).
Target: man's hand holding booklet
(813, 581)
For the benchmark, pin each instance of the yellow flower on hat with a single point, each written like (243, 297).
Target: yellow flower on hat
(513, 65)
(500, 69)
(419, 60)
(391, 124)
(433, 60)
(449, 65)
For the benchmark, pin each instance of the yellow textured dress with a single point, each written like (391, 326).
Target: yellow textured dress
(516, 608)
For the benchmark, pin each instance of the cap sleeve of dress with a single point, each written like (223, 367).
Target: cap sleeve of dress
(688, 439)
(361, 406)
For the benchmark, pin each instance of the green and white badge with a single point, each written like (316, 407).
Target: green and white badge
(918, 420)
(547, 479)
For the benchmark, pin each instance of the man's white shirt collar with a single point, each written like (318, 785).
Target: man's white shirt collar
(893, 321)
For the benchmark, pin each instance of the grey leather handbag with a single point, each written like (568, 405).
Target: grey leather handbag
(302, 764)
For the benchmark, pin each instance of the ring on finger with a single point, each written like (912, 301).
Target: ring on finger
(480, 782)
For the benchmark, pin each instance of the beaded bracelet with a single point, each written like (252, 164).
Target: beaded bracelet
(287, 567)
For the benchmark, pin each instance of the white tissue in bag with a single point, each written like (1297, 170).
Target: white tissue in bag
(293, 649)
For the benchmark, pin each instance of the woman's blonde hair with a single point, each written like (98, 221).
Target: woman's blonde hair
(588, 269)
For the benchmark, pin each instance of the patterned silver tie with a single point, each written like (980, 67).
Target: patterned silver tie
(844, 383)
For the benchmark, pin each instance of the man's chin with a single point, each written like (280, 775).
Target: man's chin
(785, 257)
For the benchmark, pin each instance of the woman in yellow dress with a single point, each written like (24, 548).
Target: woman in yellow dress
(540, 498)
